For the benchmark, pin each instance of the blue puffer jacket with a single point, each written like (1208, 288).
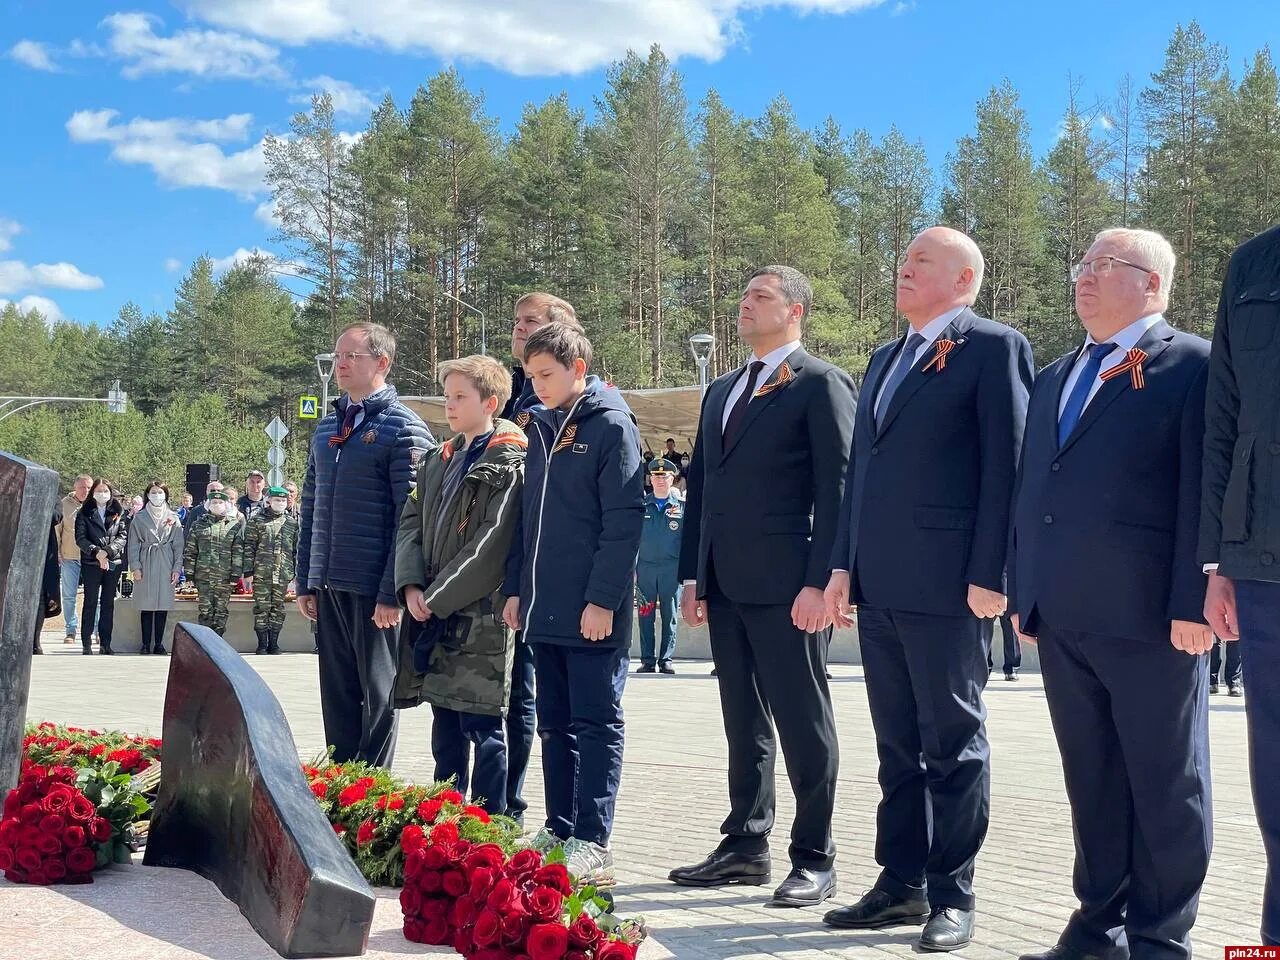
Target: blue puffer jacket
(353, 495)
(580, 527)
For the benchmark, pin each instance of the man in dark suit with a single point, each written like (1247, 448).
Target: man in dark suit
(920, 550)
(1103, 573)
(753, 561)
(1240, 517)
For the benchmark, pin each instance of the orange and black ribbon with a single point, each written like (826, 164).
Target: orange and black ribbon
(1132, 365)
(348, 426)
(942, 348)
(780, 379)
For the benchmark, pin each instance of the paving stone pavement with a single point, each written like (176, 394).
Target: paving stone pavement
(672, 800)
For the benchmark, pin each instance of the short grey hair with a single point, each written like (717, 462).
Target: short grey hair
(796, 287)
(381, 341)
(1150, 250)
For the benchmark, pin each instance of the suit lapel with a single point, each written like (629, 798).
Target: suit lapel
(766, 393)
(1058, 385)
(919, 376)
(877, 369)
(1153, 343)
(713, 432)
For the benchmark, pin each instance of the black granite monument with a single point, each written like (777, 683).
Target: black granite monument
(28, 494)
(234, 807)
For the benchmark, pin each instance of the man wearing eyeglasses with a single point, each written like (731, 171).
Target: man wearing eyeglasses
(1240, 520)
(1103, 576)
(362, 464)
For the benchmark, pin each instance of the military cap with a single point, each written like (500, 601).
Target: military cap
(218, 495)
(277, 492)
(661, 465)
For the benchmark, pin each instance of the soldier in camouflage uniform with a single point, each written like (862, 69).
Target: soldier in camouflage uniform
(213, 558)
(270, 545)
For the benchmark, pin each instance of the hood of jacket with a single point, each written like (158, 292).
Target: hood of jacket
(598, 397)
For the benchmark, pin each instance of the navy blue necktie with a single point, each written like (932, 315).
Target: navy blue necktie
(1080, 392)
(906, 360)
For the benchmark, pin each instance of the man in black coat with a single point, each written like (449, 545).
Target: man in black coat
(1240, 521)
(1103, 573)
(764, 487)
(920, 550)
(532, 311)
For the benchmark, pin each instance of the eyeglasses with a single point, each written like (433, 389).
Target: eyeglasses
(1101, 266)
(350, 355)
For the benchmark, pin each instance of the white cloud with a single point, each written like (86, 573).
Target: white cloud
(16, 275)
(285, 268)
(179, 151)
(348, 99)
(172, 264)
(33, 54)
(202, 53)
(51, 312)
(265, 213)
(8, 230)
(521, 36)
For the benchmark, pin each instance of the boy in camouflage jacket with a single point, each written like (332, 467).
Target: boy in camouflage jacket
(455, 531)
(270, 545)
(213, 559)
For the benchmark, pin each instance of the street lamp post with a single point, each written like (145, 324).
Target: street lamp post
(702, 345)
(458, 300)
(324, 363)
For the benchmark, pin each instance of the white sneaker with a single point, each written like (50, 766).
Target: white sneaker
(589, 862)
(544, 841)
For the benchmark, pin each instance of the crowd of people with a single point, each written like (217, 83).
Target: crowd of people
(1115, 508)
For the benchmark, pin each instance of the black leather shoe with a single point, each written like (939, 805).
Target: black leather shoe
(1061, 951)
(159, 650)
(648, 668)
(722, 868)
(805, 888)
(878, 909)
(949, 928)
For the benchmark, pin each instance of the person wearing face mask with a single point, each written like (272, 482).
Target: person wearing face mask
(155, 562)
(213, 559)
(102, 538)
(270, 545)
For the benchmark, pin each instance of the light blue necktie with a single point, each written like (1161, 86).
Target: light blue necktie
(1080, 392)
(906, 359)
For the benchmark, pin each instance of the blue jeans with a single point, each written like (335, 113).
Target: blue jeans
(453, 733)
(70, 584)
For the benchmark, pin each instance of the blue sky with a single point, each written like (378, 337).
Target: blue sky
(132, 129)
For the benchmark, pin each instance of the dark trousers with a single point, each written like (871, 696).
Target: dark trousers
(522, 727)
(580, 724)
(453, 732)
(1132, 723)
(771, 674)
(357, 678)
(1235, 672)
(659, 586)
(1259, 610)
(925, 675)
(1012, 648)
(153, 624)
(100, 596)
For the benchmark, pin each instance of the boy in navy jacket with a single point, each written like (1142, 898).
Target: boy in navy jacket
(570, 583)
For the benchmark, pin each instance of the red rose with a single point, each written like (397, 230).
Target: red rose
(488, 928)
(502, 896)
(81, 809)
(27, 858)
(429, 881)
(413, 930)
(410, 901)
(555, 876)
(365, 833)
(100, 829)
(339, 828)
(48, 844)
(480, 813)
(576, 955)
(62, 774)
(486, 855)
(74, 836)
(353, 794)
(433, 858)
(490, 953)
(6, 858)
(412, 838)
(320, 789)
(547, 941)
(454, 883)
(436, 930)
(52, 823)
(54, 870)
(481, 882)
(616, 950)
(523, 862)
(446, 832)
(545, 903)
(12, 805)
(31, 814)
(451, 796)
(428, 810)
(461, 941)
(514, 927)
(583, 932)
(456, 850)
(462, 912)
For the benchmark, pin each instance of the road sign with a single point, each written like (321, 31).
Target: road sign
(275, 477)
(275, 456)
(308, 408)
(276, 430)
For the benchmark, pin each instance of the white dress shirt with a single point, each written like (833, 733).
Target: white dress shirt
(931, 332)
(1125, 341)
(771, 360)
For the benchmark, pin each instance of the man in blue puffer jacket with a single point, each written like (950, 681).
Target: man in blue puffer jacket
(363, 462)
(571, 588)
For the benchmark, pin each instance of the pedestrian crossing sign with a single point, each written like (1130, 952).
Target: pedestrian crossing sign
(308, 408)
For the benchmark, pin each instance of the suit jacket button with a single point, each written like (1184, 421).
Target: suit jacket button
(720, 471)
(875, 450)
(1274, 448)
(1056, 466)
(1267, 559)
(1048, 518)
